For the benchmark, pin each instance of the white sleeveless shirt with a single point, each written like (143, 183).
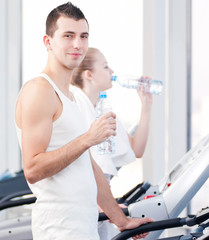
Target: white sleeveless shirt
(66, 206)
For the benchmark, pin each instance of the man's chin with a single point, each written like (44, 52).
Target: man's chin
(73, 66)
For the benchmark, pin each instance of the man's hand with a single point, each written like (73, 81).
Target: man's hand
(134, 223)
(102, 128)
(111, 208)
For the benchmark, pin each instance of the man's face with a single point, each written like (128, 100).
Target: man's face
(70, 41)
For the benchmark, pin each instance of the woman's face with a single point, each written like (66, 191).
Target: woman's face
(102, 73)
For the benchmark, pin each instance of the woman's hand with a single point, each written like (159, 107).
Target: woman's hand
(145, 97)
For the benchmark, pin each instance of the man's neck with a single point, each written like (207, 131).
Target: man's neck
(61, 77)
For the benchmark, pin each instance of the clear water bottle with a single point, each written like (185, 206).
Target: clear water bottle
(103, 106)
(152, 86)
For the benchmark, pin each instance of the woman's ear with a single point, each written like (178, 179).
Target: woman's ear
(47, 43)
(88, 75)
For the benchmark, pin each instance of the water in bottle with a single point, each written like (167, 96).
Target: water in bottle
(103, 106)
(152, 86)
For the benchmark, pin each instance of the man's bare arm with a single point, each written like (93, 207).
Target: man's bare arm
(109, 205)
(36, 116)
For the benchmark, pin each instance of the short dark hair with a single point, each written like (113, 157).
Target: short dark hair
(67, 10)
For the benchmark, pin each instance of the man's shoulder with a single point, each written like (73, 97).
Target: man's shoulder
(38, 81)
(38, 91)
(37, 99)
(39, 85)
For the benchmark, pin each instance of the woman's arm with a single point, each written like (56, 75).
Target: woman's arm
(139, 140)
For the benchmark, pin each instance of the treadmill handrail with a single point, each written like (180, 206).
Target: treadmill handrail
(103, 216)
(158, 225)
(16, 203)
(125, 196)
(163, 224)
(138, 193)
(10, 201)
(16, 194)
(190, 236)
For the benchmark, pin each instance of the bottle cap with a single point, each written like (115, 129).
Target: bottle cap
(102, 94)
(114, 78)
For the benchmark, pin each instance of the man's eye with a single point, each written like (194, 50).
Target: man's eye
(68, 36)
(84, 36)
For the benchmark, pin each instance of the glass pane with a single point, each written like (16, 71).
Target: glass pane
(200, 85)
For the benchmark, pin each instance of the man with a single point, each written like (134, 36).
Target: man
(54, 141)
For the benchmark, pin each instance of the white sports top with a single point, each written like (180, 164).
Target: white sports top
(123, 151)
(66, 206)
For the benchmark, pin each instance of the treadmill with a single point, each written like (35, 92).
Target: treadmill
(169, 197)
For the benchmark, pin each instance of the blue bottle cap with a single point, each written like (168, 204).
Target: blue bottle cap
(114, 78)
(102, 94)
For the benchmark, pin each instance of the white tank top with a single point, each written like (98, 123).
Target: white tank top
(66, 206)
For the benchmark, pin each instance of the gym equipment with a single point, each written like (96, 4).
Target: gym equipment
(171, 195)
(176, 189)
(166, 224)
(13, 183)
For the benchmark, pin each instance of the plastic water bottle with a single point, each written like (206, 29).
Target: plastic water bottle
(103, 106)
(152, 86)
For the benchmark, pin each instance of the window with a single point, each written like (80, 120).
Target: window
(200, 85)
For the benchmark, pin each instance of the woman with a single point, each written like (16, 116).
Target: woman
(92, 76)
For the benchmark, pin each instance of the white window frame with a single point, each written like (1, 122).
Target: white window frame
(10, 71)
(166, 34)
